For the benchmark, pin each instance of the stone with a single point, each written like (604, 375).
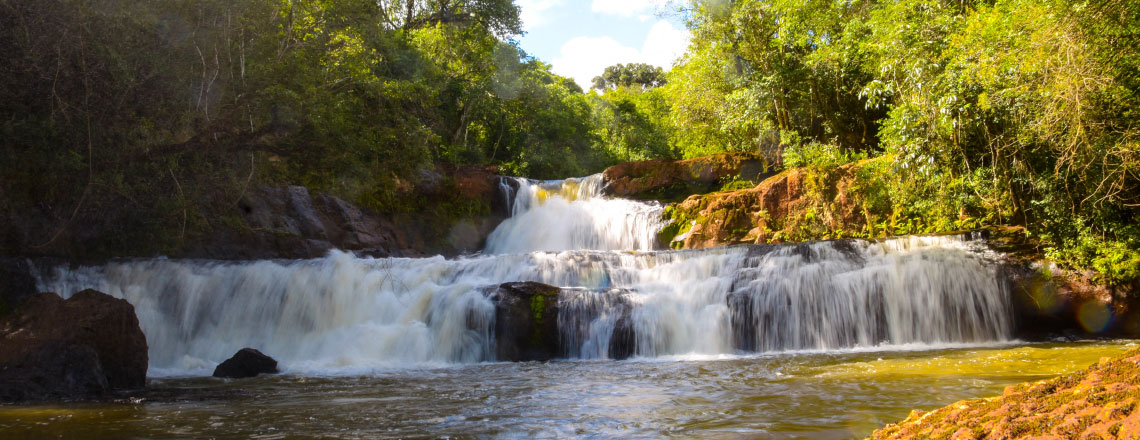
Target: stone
(526, 321)
(246, 363)
(664, 179)
(82, 347)
(16, 284)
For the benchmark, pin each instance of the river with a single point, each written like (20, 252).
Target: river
(817, 340)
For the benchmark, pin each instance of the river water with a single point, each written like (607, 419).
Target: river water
(818, 340)
(836, 395)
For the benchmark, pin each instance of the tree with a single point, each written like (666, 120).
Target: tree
(642, 75)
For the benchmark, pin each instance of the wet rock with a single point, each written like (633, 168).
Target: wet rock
(82, 347)
(1099, 402)
(664, 179)
(526, 321)
(247, 362)
(580, 310)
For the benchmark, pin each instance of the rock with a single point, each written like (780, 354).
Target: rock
(1099, 402)
(581, 310)
(51, 348)
(782, 207)
(293, 222)
(247, 362)
(526, 321)
(664, 179)
(16, 284)
(455, 209)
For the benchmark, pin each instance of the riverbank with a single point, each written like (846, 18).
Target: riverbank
(1098, 402)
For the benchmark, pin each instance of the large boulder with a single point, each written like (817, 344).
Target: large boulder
(247, 362)
(664, 179)
(51, 348)
(526, 321)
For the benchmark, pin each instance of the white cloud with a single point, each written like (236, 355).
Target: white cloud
(626, 8)
(665, 44)
(534, 13)
(583, 58)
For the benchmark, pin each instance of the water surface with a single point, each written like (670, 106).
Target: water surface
(835, 395)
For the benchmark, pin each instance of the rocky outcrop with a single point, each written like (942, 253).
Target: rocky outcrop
(791, 205)
(526, 321)
(1052, 302)
(246, 363)
(293, 222)
(1100, 402)
(87, 345)
(444, 210)
(665, 179)
(16, 284)
(451, 211)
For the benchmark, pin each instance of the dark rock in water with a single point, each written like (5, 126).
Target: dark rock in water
(526, 321)
(16, 284)
(247, 362)
(82, 347)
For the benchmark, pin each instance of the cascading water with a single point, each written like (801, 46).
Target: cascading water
(619, 298)
(572, 214)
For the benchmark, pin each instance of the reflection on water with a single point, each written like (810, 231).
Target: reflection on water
(820, 395)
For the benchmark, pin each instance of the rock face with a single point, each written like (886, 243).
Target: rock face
(51, 348)
(247, 362)
(1100, 402)
(1051, 301)
(780, 208)
(16, 284)
(664, 179)
(293, 222)
(526, 321)
(444, 210)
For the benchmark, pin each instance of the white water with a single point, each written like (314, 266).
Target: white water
(571, 214)
(344, 314)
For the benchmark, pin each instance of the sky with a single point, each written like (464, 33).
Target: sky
(580, 38)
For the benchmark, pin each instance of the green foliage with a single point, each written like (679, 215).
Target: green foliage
(814, 154)
(997, 112)
(168, 110)
(641, 75)
(631, 123)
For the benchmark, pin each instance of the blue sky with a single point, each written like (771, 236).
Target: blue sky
(579, 38)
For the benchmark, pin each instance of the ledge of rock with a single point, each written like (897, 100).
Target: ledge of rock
(1099, 402)
(247, 362)
(79, 348)
(664, 179)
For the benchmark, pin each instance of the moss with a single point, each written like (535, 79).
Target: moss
(538, 312)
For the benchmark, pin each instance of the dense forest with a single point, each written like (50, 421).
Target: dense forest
(962, 113)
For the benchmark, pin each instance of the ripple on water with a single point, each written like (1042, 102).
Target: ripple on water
(804, 395)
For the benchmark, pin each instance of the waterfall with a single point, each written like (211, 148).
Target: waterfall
(344, 313)
(572, 214)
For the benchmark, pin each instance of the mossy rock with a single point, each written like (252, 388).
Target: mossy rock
(526, 321)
